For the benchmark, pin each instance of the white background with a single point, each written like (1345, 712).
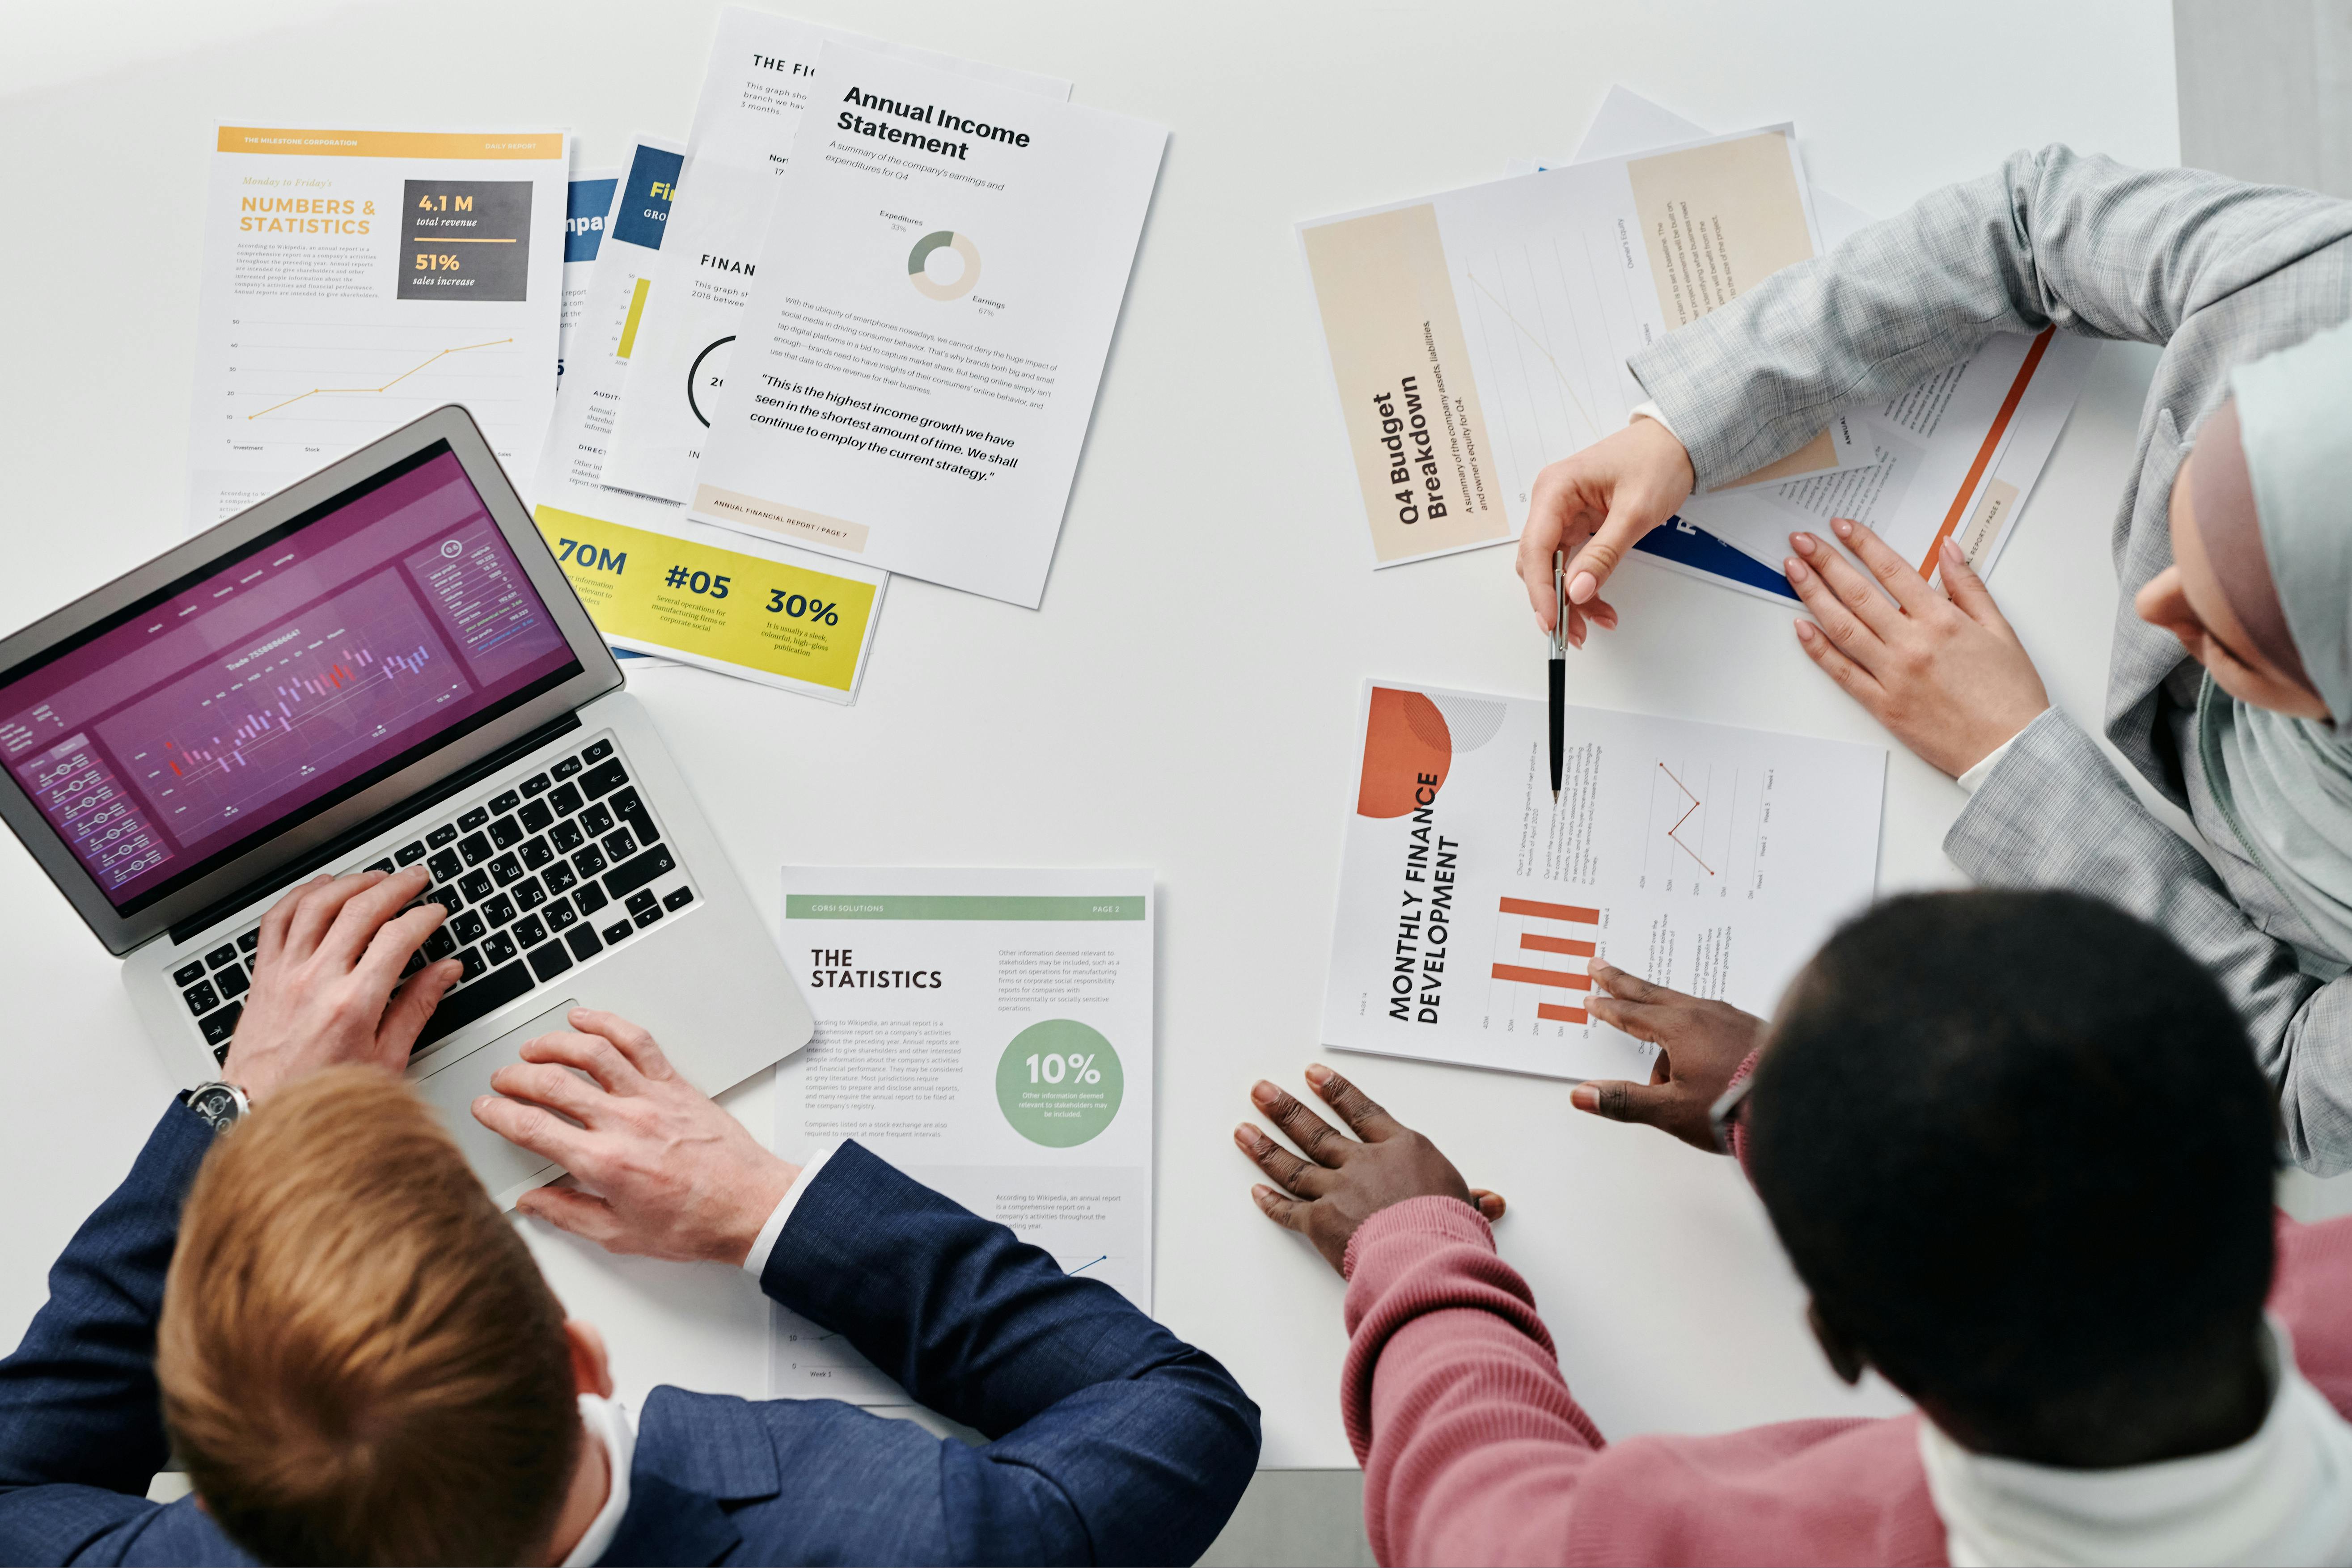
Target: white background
(1185, 698)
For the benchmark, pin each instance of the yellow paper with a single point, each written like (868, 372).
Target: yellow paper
(671, 595)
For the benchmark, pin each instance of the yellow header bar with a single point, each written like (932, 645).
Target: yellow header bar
(298, 144)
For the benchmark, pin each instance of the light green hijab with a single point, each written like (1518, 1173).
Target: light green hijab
(2285, 783)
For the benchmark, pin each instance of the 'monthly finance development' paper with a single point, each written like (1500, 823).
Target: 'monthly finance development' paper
(1711, 859)
(989, 1033)
(754, 94)
(934, 306)
(355, 280)
(1477, 335)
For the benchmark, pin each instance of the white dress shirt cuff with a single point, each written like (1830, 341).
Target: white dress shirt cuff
(755, 1262)
(1649, 410)
(1975, 777)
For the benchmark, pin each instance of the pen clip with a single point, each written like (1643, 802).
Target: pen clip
(1559, 613)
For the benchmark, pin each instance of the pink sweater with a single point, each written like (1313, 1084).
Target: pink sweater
(1475, 1452)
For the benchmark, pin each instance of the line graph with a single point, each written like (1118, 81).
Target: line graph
(1674, 833)
(1541, 347)
(387, 387)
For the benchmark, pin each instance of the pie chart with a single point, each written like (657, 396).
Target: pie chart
(919, 261)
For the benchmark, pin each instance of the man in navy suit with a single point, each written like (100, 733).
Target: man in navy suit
(356, 1360)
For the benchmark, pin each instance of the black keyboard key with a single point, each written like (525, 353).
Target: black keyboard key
(597, 752)
(590, 860)
(444, 865)
(446, 896)
(225, 953)
(567, 767)
(537, 817)
(632, 875)
(531, 931)
(499, 910)
(535, 784)
(248, 942)
(499, 949)
(648, 918)
(188, 974)
(584, 944)
(505, 869)
(638, 903)
(201, 998)
(550, 960)
(411, 853)
(618, 844)
(536, 854)
(473, 819)
(506, 833)
(560, 876)
(603, 780)
(232, 981)
(220, 1025)
(590, 897)
(475, 968)
(566, 836)
(415, 962)
(469, 927)
(527, 894)
(596, 821)
(444, 834)
(631, 810)
(383, 866)
(476, 848)
(617, 931)
(506, 800)
(479, 1000)
(440, 945)
(558, 914)
(678, 897)
(566, 799)
(474, 885)
(220, 1055)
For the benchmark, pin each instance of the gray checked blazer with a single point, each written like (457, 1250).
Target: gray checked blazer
(2218, 272)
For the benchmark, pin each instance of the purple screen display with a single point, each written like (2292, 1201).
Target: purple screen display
(179, 735)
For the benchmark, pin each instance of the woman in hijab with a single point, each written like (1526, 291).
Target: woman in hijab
(2233, 538)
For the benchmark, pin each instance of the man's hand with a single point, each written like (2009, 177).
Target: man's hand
(1946, 675)
(657, 1168)
(1343, 1183)
(1595, 505)
(1700, 1045)
(326, 981)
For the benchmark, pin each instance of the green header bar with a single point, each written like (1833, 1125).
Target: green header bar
(956, 906)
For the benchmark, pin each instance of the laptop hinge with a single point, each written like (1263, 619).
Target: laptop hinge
(335, 849)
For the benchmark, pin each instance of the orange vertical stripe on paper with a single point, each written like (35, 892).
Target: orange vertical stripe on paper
(1575, 914)
(1559, 1014)
(1559, 977)
(1566, 944)
(1984, 453)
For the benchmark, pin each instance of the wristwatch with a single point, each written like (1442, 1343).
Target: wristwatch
(222, 1104)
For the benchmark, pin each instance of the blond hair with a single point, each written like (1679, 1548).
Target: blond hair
(359, 1361)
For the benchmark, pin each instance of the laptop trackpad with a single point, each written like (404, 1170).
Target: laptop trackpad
(451, 1090)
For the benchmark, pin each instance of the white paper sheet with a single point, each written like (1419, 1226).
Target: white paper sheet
(1711, 859)
(989, 1034)
(355, 280)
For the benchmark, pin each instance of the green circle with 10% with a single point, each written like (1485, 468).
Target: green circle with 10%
(799, 606)
(1059, 1083)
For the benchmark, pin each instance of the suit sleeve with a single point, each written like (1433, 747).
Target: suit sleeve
(1111, 1439)
(2050, 239)
(81, 1428)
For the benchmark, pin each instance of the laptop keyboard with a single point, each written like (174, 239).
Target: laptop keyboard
(545, 875)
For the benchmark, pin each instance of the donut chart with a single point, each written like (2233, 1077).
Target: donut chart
(947, 239)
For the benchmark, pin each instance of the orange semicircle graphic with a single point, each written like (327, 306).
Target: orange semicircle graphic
(1406, 740)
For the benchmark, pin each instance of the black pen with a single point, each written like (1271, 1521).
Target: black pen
(1559, 663)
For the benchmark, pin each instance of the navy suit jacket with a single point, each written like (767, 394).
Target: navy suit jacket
(1110, 1439)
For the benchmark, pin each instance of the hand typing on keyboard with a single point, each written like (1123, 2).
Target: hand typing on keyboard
(327, 987)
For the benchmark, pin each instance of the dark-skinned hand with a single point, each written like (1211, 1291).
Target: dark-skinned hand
(1700, 1045)
(1344, 1181)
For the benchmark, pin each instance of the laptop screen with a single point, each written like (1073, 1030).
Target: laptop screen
(265, 687)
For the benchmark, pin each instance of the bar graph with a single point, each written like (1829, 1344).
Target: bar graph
(1556, 996)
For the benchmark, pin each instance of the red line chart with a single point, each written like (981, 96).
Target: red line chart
(1674, 831)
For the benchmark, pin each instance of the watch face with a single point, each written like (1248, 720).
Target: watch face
(216, 1105)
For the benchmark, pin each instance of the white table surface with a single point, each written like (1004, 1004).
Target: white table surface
(1184, 699)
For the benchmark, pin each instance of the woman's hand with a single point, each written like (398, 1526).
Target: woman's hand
(1596, 505)
(1343, 1183)
(1700, 1045)
(1945, 674)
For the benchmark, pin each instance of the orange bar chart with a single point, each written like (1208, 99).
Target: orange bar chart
(1564, 945)
(1554, 1013)
(1574, 914)
(1566, 980)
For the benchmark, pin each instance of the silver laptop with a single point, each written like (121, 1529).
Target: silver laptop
(383, 666)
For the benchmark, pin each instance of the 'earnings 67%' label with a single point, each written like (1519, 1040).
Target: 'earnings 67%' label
(757, 616)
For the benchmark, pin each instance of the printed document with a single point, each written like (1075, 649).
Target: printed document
(928, 327)
(355, 280)
(989, 1033)
(1711, 859)
(587, 210)
(753, 91)
(1477, 335)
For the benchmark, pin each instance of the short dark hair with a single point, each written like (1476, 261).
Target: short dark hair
(2018, 1148)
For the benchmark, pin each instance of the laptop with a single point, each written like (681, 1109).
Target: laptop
(384, 667)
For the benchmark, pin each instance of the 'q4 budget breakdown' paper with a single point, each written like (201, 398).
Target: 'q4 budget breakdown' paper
(356, 280)
(1697, 856)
